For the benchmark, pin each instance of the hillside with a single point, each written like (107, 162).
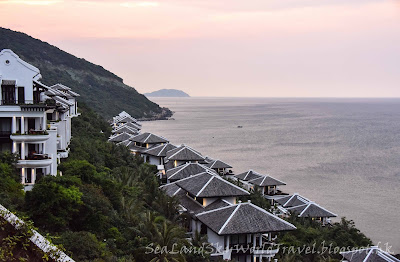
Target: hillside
(102, 90)
(167, 93)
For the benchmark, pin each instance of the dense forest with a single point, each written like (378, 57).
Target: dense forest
(106, 206)
(100, 89)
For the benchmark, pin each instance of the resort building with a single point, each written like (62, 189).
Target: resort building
(145, 141)
(220, 167)
(240, 231)
(156, 155)
(182, 155)
(35, 119)
(267, 184)
(185, 171)
(303, 207)
(371, 254)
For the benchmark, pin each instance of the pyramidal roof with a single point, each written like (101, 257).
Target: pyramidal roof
(149, 138)
(249, 175)
(120, 137)
(218, 164)
(291, 201)
(208, 184)
(160, 150)
(311, 210)
(184, 153)
(372, 254)
(266, 180)
(243, 218)
(186, 170)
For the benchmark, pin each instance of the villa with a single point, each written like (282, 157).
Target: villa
(267, 184)
(143, 142)
(156, 155)
(182, 155)
(211, 203)
(219, 166)
(35, 118)
(185, 171)
(303, 207)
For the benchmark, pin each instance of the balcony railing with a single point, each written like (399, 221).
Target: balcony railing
(35, 156)
(32, 133)
(21, 102)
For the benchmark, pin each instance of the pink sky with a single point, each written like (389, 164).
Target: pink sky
(311, 48)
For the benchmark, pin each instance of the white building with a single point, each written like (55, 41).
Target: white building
(35, 120)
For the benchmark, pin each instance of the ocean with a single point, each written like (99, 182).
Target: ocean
(343, 154)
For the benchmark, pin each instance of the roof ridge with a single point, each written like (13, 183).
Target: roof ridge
(367, 256)
(208, 182)
(179, 168)
(229, 218)
(270, 214)
(147, 137)
(232, 184)
(176, 152)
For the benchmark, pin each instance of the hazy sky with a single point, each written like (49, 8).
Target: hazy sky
(311, 48)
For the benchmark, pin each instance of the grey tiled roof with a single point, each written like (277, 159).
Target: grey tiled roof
(311, 210)
(372, 254)
(126, 119)
(120, 137)
(249, 175)
(171, 189)
(266, 181)
(149, 138)
(160, 150)
(207, 184)
(291, 201)
(243, 218)
(184, 153)
(186, 170)
(126, 129)
(218, 164)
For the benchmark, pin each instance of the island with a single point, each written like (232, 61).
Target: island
(167, 93)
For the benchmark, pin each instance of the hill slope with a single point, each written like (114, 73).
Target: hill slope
(102, 90)
(167, 93)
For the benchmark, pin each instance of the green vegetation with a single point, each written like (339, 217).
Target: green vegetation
(102, 90)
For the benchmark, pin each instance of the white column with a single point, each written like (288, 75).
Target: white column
(23, 175)
(254, 240)
(22, 125)
(44, 126)
(44, 148)
(22, 153)
(33, 175)
(14, 124)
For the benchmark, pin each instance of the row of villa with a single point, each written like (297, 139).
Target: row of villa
(35, 119)
(210, 200)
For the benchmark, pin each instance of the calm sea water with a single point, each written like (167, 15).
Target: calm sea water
(341, 153)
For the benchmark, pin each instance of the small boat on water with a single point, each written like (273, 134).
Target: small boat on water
(239, 126)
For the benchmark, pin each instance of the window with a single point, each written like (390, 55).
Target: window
(8, 94)
(21, 95)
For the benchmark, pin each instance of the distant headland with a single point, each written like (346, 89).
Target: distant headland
(167, 93)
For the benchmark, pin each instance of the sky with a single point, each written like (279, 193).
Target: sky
(246, 48)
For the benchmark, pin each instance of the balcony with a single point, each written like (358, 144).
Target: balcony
(35, 160)
(31, 136)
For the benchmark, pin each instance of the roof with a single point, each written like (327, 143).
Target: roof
(160, 150)
(266, 181)
(243, 218)
(132, 125)
(149, 138)
(311, 210)
(125, 119)
(171, 189)
(249, 175)
(184, 153)
(208, 184)
(126, 129)
(186, 170)
(63, 101)
(291, 201)
(218, 164)
(372, 254)
(120, 137)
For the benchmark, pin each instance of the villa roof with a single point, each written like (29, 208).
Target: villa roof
(126, 129)
(120, 137)
(125, 142)
(125, 119)
(132, 125)
(207, 184)
(243, 218)
(186, 170)
(291, 201)
(218, 164)
(170, 189)
(249, 175)
(372, 254)
(149, 138)
(184, 153)
(61, 87)
(63, 101)
(311, 210)
(266, 181)
(193, 207)
(136, 148)
(160, 150)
